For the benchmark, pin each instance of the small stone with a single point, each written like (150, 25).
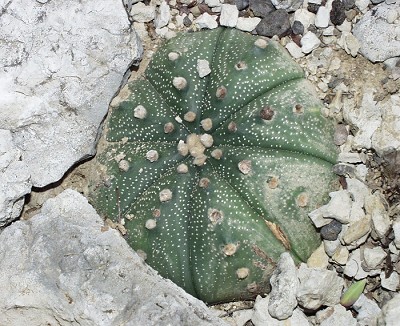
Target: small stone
(213, 3)
(205, 20)
(349, 157)
(229, 15)
(390, 314)
(187, 21)
(230, 249)
(179, 83)
(240, 4)
(391, 16)
(337, 14)
(182, 168)
(341, 255)
(373, 257)
(163, 15)
(203, 68)
(367, 310)
(245, 166)
(297, 28)
(391, 283)
(140, 112)
(275, 23)
(341, 134)
(322, 17)
(357, 230)
(152, 155)
(331, 231)
(189, 116)
(349, 4)
(309, 42)
(284, 286)
(142, 13)
(173, 56)
(169, 127)
(317, 217)
(294, 50)
(206, 124)
(305, 17)
(183, 148)
(261, 8)
(336, 315)
(150, 224)
(247, 24)
(242, 273)
(331, 247)
(241, 317)
(207, 140)
(362, 5)
(349, 43)
(288, 5)
(396, 231)
(380, 218)
(216, 153)
(123, 165)
(353, 268)
(165, 195)
(339, 206)
(318, 259)
(204, 182)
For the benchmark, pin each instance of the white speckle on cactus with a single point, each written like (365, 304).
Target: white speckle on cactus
(207, 140)
(245, 166)
(140, 112)
(150, 224)
(206, 124)
(123, 165)
(203, 68)
(173, 56)
(242, 272)
(182, 168)
(189, 116)
(179, 83)
(165, 195)
(261, 43)
(152, 155)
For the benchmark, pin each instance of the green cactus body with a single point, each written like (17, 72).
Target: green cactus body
(214, 175)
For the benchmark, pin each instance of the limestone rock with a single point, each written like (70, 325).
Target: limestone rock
(390, 314)
(64, 267)
(229, 15)
(336, 315)
(367, 310)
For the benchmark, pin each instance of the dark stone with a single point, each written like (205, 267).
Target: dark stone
(186, 21)
(297, 28)
(276, 23)
(349, 4)
(343, 169)
(337, 14)
(313, 7)
(261, 8)
(331, 231)
(240, 4)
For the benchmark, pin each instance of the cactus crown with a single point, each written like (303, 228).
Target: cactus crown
(214, 160)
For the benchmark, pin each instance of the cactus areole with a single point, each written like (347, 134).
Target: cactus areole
(214, 160)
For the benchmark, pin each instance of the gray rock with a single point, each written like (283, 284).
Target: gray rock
(337, 14)
(319, 258)
(380, 218)
(60, 64)
(322, 17)
(367, 310)
(163, 15)
(297, 27)
(339, 206)
(284, 286)
(390, 283)
(318, 287)
(373, 257)
(142, 13)
(331, 231)
(247, 24)
(390, 314)
(64, 267)
(309, 42)
(288, 5)
(379, 39)
(396, 231)
(337, 315)
(261, 8)
(275, 23)
(205, 20)
(229, 15)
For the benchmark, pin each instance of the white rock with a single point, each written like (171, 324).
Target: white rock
(380, 218)
(206, 21)
(373, 257)
(387, 136)
(322, 17)
(213, 3)
(341, 255)
(261, 317)
(203, 68)
(348, 157)
(140, 29)
(241, 317)
(87, 276)
(391, 283)
(284, 286)
(390, 314)
(229, 15)
(142, 13)
(288, 5)
(318, 287)
(396, 230)
(319, 258)
(353, 268)
(331, 246)
(367, 310)
(61, 63)
(318, 218)
(309, 42)
(247, 24)
(329, 31)
(163, 15)
(357, 230)
(336, 315)
(392, 16)
(362, 5)
(349, 43)
(379, 40)
(294, 50)
(339, 206)
(305, 17)
(358, 190)
(345, 27)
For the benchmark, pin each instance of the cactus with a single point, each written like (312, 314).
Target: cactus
(213, 161)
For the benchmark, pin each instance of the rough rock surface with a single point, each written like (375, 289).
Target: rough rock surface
(378, 36)
(60, 64)
(64, 267)
(390, 314)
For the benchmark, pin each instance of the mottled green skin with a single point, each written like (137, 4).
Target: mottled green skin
(185, 246)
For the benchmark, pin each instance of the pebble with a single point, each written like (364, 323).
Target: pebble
(284, 285)
(163, 15)
(358, 191)
(247, 24)
(337, 14)
(319, 258)
(294, 50)
(142, 13)
(309, 42)
(349, 4)
(205, 20)
(331, 247)
(367, 310)
(390, 314)
(331, 231)
(341, 255)
(261, 8)
(229, 15)
(275, 23)
(339, 206)
(297, 28)
(353, 268)
(241, 317)
(380, 218)
(373, 257)
(336, 315)
(349, 157)
(322, 17)
(349, 43)
(318, 287)
(362, 5)
(357, 230)
(391, 283)
(213, 3)
(305, 17)
(288, 5)
(396, 231)
(341, 132)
